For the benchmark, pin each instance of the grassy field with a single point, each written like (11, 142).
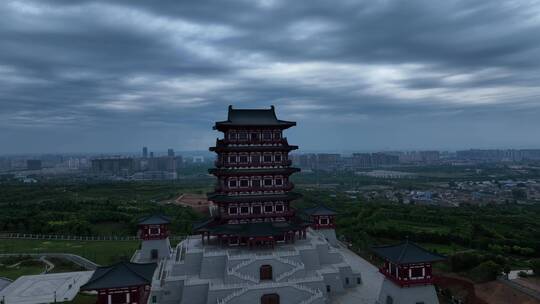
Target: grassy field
(26, 267)
(101, 252)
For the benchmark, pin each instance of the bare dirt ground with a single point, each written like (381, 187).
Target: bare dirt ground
(498, 293)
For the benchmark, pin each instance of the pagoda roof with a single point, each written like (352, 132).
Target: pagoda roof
(154, 219)
(123, 274)
(406, 253)
(320, 210)
(253, 117)
(288, 196)
(227, 171)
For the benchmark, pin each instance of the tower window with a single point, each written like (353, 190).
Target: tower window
(279, 182)
(243, 159)
(268, 208)
(233, 210)
(244, 183)
(256, 183)
(328, 289)
(232, 159)
(232, 135)
(267, 135)
(244, 210)
(279, 208)
(257, 209)
(277, 135)
(268, 182)
(358, 280)
(277, 157)
(267, 158)
(417, 272)
(347, 281)
(242, 136)
(232, 183)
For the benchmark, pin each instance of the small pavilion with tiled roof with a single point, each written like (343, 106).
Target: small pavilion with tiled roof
(154, 226)
(123, 282)
(322, 217)
(154, 235)
(407, 264)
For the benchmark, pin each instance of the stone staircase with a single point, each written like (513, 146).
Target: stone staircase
(234, 271)
(313, 294)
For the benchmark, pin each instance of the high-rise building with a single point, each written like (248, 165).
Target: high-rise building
(145, 152)
(170, 153)
(328, 161)
(113, 166)
(33, 164)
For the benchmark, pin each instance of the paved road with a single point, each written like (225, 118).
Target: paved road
(49, 267)
(531, 292)
(79, 260)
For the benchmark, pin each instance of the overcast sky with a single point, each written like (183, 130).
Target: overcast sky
(90, 76)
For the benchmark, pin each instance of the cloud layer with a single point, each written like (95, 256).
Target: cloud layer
(361, 75)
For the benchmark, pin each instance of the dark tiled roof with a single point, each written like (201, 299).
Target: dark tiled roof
(406, 253)
(253, 117)
(320, 210)
(123, 274)
(289, 196)
(156, 219)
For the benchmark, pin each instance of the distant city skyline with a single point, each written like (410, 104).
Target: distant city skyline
(104, 76)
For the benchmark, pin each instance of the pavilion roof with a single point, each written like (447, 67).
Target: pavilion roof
(154, 219)
(320, 210)
(406, 253)
(123, 274)
(253, 117)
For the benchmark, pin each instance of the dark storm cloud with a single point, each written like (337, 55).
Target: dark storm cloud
(147, 71)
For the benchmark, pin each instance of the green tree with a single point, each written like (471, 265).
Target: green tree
(535, 265)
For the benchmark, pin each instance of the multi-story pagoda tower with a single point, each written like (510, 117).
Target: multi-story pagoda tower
(253, 191)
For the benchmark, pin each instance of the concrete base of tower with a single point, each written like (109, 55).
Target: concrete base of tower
(330, 236)
(393, 294)
(152, 251)
(311, 270)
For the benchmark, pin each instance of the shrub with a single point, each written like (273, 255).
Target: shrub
(487, 271)
(535, 265)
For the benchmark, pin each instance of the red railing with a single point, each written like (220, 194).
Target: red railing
(247, 216)
(263, 165)
(286, 187)
(406, 282)
(252, 141)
